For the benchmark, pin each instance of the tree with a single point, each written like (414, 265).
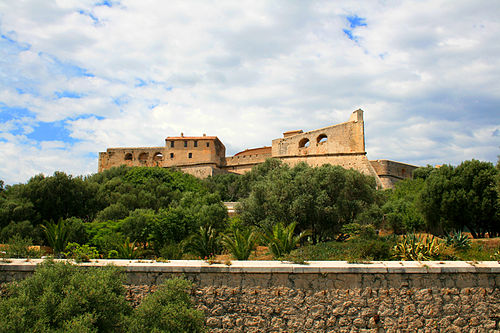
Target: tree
(455, 198)
(319, 199)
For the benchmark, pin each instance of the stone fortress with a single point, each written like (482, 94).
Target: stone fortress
(202, 156)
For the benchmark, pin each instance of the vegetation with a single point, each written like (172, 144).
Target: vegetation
(142, 212)
(168, 309)
(60, 297)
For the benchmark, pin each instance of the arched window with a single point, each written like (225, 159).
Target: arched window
(128, 157)
(322, 138)
(143, 156)
(304, 143)
(158, 157)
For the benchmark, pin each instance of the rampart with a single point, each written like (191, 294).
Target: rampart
(330, 296)
(342, 144)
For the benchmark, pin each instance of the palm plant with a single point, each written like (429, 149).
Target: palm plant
(241, 243)
(281, 239)
(57, 235)
(127, 250)
(205, 243)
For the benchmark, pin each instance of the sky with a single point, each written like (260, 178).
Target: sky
(77, 77)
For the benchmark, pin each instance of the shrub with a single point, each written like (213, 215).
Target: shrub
(169, 309)
(59, 296)
(416, 248)
(205, 243)
(18, 247)
(376, 249)
(81, 253)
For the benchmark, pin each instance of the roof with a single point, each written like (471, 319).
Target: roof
(255, 151)
(192, 138)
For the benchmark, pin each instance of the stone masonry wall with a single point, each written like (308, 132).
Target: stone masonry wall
(327, 296)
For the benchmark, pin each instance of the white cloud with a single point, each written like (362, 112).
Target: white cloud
(426, 73)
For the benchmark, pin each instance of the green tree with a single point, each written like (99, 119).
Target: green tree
(455, 198)
(319, 199)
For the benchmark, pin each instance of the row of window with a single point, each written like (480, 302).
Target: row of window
(195, 144)
(156, 157)
(304, 143)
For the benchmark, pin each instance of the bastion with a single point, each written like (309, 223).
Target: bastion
(203, 156)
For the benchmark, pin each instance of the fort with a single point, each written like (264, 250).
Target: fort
(203, 156)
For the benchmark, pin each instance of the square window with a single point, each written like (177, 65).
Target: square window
(172, 144)
(196, 143)
(185, 143)
(171, 155)
(190, 155)
(208, 144)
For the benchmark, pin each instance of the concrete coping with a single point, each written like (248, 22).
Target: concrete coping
(321, 267)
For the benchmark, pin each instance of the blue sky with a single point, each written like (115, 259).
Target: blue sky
(79, 76)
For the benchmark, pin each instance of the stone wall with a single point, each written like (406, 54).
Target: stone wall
(325, 296)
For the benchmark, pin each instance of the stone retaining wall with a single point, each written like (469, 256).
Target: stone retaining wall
(325, 296)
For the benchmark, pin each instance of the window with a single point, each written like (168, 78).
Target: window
(196, 143)
(158, 157)
(185, 143)
(172, 144)
(322, 138)
(171, 155)
(128, 157)
(190, 155)
(304, 143)
(208, 144)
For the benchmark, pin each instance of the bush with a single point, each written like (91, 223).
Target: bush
(18, 247)
(81, 253)
(59, 296)
(376, 250)
(169, 309)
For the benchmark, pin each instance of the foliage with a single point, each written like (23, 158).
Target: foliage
(366, 231)
(402, 214)
(354, 249)
(59, 295)
(281, 239)
(240, 243)
(319, 199)
(458, 240)
(168, 309)
(126, 250)
(462, 197)
(57, 235)
(171, 251)
(205, 243)
(81, 253)
(18, 247)
(412, 247)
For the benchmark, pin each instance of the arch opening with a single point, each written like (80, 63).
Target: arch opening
(322, 138)
(128, 157)
(304, 143)
(158, 157)
(143, 156)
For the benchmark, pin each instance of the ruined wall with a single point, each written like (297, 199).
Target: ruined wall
(347, 137)
(140, 156)
(245, 162)
(324, 296)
